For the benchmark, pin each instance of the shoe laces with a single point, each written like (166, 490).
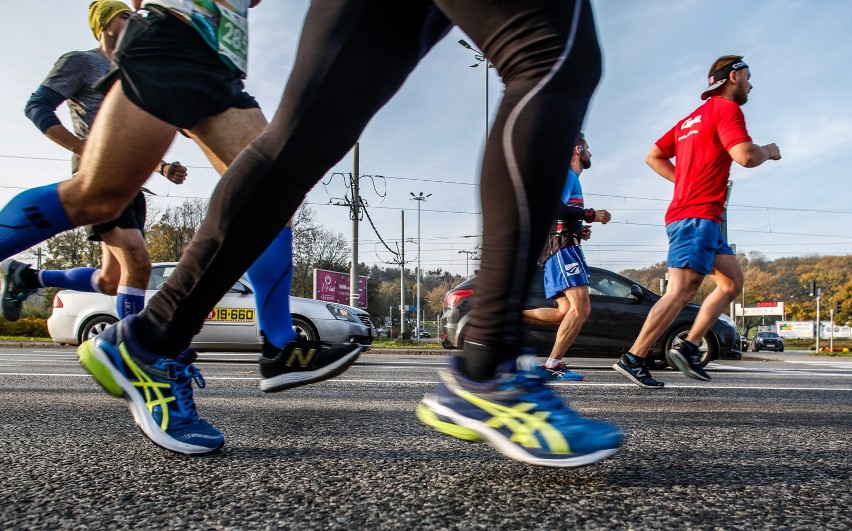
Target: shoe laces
(534, 390)
(184, 375)
(690, 352)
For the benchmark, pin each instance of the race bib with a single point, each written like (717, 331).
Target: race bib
(232, 36)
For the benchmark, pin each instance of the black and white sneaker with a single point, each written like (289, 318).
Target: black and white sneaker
(12, 288)
(637, 373)
(303, 362)
(686, 358)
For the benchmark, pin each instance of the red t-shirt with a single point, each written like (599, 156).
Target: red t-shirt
(700, 143)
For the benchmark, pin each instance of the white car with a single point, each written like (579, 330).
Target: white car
(232, 325)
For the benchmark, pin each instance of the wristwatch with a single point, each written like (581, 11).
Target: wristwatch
(162, 169)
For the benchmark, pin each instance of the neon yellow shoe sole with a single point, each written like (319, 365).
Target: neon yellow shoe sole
(429, 418)
(89, 360)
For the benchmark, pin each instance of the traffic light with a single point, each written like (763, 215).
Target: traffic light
(836, 307)
(812, 288)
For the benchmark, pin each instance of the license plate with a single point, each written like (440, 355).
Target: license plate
(231, 315)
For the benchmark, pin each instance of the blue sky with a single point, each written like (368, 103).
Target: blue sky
(429, 138)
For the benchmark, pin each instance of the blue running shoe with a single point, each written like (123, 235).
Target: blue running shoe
(560, 371)
(159, 393)
(518, 415)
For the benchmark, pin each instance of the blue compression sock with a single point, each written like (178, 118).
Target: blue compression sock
(30, 218)
(79, 278)
(271, 276)
(129, 301)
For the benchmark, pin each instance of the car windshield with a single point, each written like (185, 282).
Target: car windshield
(767, 335)
(608, 286)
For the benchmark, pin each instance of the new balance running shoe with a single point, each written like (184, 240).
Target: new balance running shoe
(560, 371)
(686, 358)
(637, 372)
(14, 291)
(518, 415)
(158, 391)
(303, 362)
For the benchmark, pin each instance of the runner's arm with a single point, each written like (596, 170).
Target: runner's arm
(660, 164)
(41, 110)
(750, 155)
(173, 171)
(573, 213)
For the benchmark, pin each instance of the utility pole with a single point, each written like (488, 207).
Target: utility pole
(467, 262)
(419, 198)
(402, 278)
(818, 323)
(831, 341)
(354, 285)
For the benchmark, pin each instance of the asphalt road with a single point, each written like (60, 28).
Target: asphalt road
(765, 445)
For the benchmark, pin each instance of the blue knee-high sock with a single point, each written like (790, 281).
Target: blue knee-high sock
(79, 278)
(30, 218)
(129, 301)
(271, 276)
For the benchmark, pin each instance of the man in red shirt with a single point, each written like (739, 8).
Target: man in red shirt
(704, 145)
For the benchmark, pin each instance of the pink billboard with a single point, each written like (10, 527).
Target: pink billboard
(332, 286)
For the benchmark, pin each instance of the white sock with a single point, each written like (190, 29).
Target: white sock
(552, 362)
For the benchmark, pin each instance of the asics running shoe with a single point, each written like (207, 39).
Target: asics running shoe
(637, 373)
(560, 371)
(158, 391)
(686, 358)
(14, 291)
(303, 362)
(519, 415)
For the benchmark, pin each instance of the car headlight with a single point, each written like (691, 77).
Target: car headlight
(339, 312)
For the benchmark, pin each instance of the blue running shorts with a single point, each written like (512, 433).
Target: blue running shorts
(565, 269)
(694, 244)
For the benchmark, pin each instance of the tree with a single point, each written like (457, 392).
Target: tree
(314, 247)
(169, 236)
(783, 280)
(71, 249)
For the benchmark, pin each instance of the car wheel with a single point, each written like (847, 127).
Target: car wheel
(657, 362)
(305, 329)
(95, 326)
(756, 348)
(781, 349)
(707, 348)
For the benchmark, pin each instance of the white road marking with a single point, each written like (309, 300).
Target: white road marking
(420, 383)
(819, 363)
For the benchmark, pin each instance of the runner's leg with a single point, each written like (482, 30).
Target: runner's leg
(335, 75)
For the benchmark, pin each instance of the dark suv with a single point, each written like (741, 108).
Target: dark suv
(619, 308)
(768, 341)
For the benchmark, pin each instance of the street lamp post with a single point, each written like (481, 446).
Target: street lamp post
(480, 59)
(419, 198)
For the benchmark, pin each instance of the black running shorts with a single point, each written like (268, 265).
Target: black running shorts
(167, 69)
(132, 217)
